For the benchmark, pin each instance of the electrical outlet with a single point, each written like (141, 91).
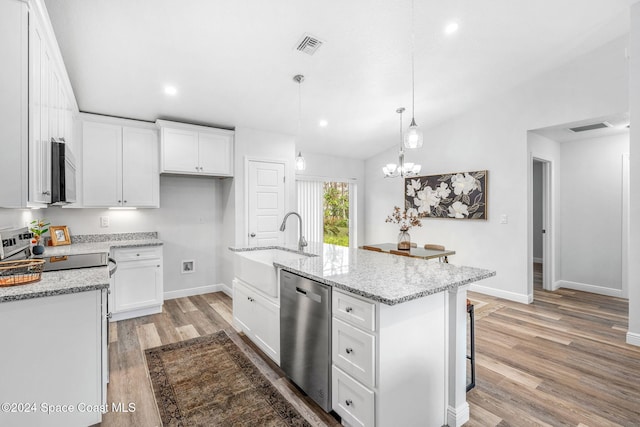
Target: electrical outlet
(504, 219)
(104, 221)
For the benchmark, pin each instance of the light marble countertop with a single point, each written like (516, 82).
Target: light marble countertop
(389, 279)
(72, 281)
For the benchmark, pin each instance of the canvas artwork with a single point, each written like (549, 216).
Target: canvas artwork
(461, 195)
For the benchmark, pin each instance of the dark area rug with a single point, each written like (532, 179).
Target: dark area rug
(208, 381)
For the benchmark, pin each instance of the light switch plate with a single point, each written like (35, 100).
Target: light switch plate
(504, 219)
(104, 221)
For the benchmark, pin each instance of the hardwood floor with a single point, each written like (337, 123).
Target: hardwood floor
(561, 361)
(182, 319)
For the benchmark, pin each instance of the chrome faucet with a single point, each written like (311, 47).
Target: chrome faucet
(302, 242)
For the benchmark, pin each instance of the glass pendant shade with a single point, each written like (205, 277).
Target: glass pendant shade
(413, 138)
(300, 162)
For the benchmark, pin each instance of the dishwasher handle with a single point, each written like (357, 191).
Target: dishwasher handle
(309, 294)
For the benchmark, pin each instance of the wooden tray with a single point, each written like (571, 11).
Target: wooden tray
(21, 272)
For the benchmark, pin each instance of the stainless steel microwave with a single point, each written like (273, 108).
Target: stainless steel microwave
(63, 173)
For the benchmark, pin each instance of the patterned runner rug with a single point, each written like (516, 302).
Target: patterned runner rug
(208, 381)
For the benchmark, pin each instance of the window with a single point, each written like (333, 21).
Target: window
(328, 209)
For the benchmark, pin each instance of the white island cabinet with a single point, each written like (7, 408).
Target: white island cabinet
(398, 339)
(53, 360)
(389, 362)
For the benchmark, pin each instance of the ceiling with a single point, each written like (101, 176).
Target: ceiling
(233, 62)
(616, 124)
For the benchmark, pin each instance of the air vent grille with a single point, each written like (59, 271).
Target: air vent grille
(308, 44)
(593, 126)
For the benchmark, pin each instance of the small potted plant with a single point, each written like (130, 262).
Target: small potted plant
(38, 228)
(406, 220)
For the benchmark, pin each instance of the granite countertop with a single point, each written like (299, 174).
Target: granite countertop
(389, 279)
(80, 280)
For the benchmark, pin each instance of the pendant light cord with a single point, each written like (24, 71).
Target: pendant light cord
(413, 66)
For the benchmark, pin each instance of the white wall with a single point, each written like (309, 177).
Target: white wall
(537, 211)
(16, 217)
(188, 222)
(494, 137)
(633, 336)
(251, 143)
(591, 214)
(324, 166)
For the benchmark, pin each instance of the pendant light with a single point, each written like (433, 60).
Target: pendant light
(401, 169)
(300, 162)
(413, 138)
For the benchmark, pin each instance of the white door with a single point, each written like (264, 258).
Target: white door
(265, 209)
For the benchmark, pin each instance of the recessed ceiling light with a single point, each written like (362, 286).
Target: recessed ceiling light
(451, 28)
(170, 90)
(323, 123)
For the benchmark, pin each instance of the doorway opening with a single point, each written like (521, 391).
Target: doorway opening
(541, 224)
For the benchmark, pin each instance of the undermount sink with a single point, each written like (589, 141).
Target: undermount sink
(256, 268)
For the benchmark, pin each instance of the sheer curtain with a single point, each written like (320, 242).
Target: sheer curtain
(310, 207)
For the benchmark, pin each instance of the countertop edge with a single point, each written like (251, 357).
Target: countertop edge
(42, 294)
(379, 298)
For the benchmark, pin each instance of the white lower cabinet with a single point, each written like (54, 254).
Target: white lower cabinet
(258, 317)
(350, 399)
(52, 359)
(389, 362)
(137, 286)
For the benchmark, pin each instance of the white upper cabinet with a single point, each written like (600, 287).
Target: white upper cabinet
(120, 164)
(37, 103)
(195, 150)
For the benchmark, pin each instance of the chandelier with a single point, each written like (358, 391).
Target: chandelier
(402, 168)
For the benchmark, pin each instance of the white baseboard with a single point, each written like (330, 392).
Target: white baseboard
(633, 338)
(181, 293)
(588, 288)
(457, 416)
(511, 296)
(537, 260)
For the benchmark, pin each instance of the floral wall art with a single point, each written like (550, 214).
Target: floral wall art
(461, 195)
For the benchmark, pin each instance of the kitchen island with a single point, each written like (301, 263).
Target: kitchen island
(398, 334)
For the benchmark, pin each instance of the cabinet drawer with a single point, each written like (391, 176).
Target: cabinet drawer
(355, 311)
(352, 401)
(353, 351)
(137, 253)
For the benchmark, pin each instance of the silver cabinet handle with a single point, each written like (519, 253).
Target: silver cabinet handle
(252, 234)
(46, 193)
(348, 309)
(109, 315)
(348, 402)
(349, 350)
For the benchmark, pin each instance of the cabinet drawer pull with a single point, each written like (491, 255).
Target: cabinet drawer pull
(348, 309)
(109, 315)
(348, 402)
(349, 350)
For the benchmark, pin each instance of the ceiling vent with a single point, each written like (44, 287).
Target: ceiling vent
(308, 44)
(593, 126)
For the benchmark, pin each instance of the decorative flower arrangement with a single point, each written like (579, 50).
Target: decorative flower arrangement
(38, 228)
(406, 219)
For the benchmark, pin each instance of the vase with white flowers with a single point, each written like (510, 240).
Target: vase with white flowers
(38, 228)
(405, 219)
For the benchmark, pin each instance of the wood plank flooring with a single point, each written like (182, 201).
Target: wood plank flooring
(561, 361)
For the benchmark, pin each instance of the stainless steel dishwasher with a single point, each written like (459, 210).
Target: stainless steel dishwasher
(305, 335)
